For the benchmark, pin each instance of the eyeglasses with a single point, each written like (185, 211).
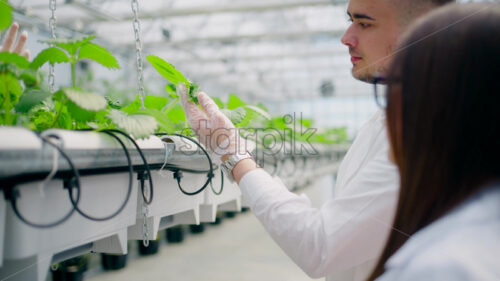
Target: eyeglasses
(380, 91)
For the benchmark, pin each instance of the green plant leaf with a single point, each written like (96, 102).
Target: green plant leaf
(101, 121)
(58, 95)
(278, 123)
(78, 113)
(30, 77)
(70, 45)
(236, 116)
(167, 70)
(98, 54)
(170, 73)
(176, 114)
(41, 119)
(52, 55)
(31, 98)
(5, 14)
(117, 97)
(10, 91)
(258, 111)
(253, 115)
(153, 102)
(219, 102)
(86, 100)
(262, 106)
(164, 123)
(13, 58)
(65, 119)
(171, 90)
(150, 102)
(234, 102)
(194, 89)
(306, 122)
(333, 135)
(137, 125)
(133, 107)
(113, 103)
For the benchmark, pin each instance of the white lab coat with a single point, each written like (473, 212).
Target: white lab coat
(342, 239)
(464, 245)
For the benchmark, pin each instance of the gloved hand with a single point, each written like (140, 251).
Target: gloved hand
(11, 38)
(213, 129)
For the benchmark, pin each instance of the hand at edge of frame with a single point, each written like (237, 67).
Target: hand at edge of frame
(10, 44)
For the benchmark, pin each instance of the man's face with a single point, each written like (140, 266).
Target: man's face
(371, 37)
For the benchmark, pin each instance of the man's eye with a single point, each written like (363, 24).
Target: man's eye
(364, 25)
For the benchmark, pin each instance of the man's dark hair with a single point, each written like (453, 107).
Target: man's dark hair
(409, 10)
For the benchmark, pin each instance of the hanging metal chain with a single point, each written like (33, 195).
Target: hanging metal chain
(52, 26)
(145, 232)
(143, 177)
(145, 214)
(138, 52)
(140, 85)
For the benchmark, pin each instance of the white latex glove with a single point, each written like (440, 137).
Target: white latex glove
(11, 38)
(213, 129)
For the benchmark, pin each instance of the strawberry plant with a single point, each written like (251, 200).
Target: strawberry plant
(13, 73)
(72, 107)
(26, 101)
(239, 112)
(72, 51)
(170, 73)
(247, 116)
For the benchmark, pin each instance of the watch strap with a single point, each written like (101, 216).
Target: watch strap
(228, 165)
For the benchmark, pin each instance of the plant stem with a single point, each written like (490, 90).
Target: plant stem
(73, 76)
(7, 102)
(171, 105)
(63, 102)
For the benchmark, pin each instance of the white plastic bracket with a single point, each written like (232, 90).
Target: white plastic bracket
(208, 212)
(233, 206)
(115, 244)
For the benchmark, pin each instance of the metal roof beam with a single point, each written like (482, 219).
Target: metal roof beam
(231, 39)
(249, 6)
(266, 57)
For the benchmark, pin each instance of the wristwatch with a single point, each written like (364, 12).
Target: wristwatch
(228, 165)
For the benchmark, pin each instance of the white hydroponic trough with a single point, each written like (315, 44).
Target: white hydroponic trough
(25, 161)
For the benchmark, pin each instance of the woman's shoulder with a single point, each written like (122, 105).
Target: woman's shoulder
(465, 244)
(472, 262)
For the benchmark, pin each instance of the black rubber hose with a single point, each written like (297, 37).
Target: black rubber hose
(146, 166)
(221, 184)
(129, 191)
(178, 172)
(12, 194)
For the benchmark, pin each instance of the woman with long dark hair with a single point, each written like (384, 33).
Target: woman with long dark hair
(443, 117)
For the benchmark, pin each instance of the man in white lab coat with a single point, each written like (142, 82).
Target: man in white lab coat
(343, 239)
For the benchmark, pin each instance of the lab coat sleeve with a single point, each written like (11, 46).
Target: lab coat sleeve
(343, 233)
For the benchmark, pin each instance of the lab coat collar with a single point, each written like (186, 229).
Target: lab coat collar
(367, 143)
